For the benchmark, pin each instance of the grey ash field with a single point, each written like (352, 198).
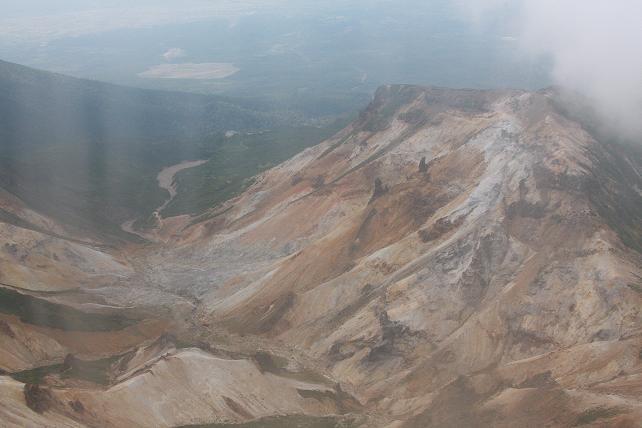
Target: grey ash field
(449, 258)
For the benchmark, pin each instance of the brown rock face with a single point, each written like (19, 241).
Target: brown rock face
(453, 258)
(453, 285)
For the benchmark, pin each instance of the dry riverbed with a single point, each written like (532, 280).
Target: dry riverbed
(166, 180)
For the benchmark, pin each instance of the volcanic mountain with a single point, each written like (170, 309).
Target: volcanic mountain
(452, 258)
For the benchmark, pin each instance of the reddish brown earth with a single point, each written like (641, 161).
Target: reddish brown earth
(452, 258)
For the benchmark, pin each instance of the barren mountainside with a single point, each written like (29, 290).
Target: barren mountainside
(452, 258)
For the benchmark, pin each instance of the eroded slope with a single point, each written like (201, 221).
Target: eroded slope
(430, 253)
(451, 258)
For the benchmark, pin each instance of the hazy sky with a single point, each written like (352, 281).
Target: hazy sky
(41, 21)
(595, 47)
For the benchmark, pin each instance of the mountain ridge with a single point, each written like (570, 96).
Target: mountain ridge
(506, 200)
(447, 259)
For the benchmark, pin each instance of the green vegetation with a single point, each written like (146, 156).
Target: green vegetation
(592, 415)
(293, 421)
(36, 376)
(269, 363)
(234, 161)
(96, 371)
(614, 180)
(40, 312)
(612, 191)
(88, 153)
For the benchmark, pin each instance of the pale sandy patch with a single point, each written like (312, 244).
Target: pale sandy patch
(204, 71)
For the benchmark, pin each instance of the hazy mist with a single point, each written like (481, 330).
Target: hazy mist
(594, 47)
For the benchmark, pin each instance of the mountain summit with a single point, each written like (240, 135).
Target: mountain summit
(452, 258)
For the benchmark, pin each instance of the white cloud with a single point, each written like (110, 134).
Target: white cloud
(595, 46)
(173, 54)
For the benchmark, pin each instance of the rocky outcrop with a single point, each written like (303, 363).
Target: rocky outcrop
(495, 284)
(493, 253)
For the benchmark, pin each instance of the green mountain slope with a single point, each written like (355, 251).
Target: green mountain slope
(87, 153)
